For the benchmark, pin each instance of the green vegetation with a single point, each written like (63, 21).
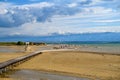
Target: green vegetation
(20, 43)
(7, 43)
(41, 43)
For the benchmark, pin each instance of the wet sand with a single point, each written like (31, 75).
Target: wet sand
(73, 63)
(76, 63)
(40, 75)
(11, 52)
(7, 56)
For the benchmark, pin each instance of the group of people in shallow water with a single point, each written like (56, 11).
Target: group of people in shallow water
(65, 46)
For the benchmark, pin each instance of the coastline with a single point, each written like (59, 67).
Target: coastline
(54, 60)
(103, 68)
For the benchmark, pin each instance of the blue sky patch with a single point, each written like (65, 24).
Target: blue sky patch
(46, 17)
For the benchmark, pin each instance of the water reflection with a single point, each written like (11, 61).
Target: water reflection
(9, 49)
(38, 75)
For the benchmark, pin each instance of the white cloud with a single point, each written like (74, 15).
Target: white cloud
(33, 0)
(43, 29)
(36, 12)
(35, 19)
(36, 5)
(3, 11)
(4, 7)
(101, 29)
(12, 16)
(98, 2)
(72, 5)
(108, 21)
(99, 10)
(16, 15)
(94, 2)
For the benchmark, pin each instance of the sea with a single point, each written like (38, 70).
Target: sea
(90, 46)
(101, 47)
(95, 46)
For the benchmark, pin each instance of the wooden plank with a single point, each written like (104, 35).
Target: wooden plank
(11, 62)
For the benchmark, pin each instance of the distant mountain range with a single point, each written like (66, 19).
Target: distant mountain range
(57, 38)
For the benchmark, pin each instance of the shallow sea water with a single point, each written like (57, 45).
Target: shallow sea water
(39, 75)
(9, 49)
(105, 48)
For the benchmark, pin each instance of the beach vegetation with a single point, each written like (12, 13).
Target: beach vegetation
(7, 43)
(20, 43)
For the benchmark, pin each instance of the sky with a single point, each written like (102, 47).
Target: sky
(47, 17)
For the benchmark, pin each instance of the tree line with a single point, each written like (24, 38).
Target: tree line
(22, 43)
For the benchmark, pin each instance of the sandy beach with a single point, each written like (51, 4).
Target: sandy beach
(95, 66)
(72, 63)
(59, 39)
(11, 52)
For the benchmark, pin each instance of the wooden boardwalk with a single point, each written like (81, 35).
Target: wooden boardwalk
(5, 66)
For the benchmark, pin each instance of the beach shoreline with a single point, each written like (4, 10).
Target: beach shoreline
(90, 69)
(59, 61)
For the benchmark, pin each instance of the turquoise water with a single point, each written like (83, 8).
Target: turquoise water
(113, 48)
(104, 48)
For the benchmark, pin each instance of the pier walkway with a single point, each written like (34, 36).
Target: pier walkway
(10, 64)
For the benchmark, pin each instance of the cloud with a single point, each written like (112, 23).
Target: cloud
(72, 5)
(16, 15)
(63, 25)
(57, 16)
(33, 0)
(34, 29)
(99, 10)
(12, 15)
(36, 5)
(107, 21)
